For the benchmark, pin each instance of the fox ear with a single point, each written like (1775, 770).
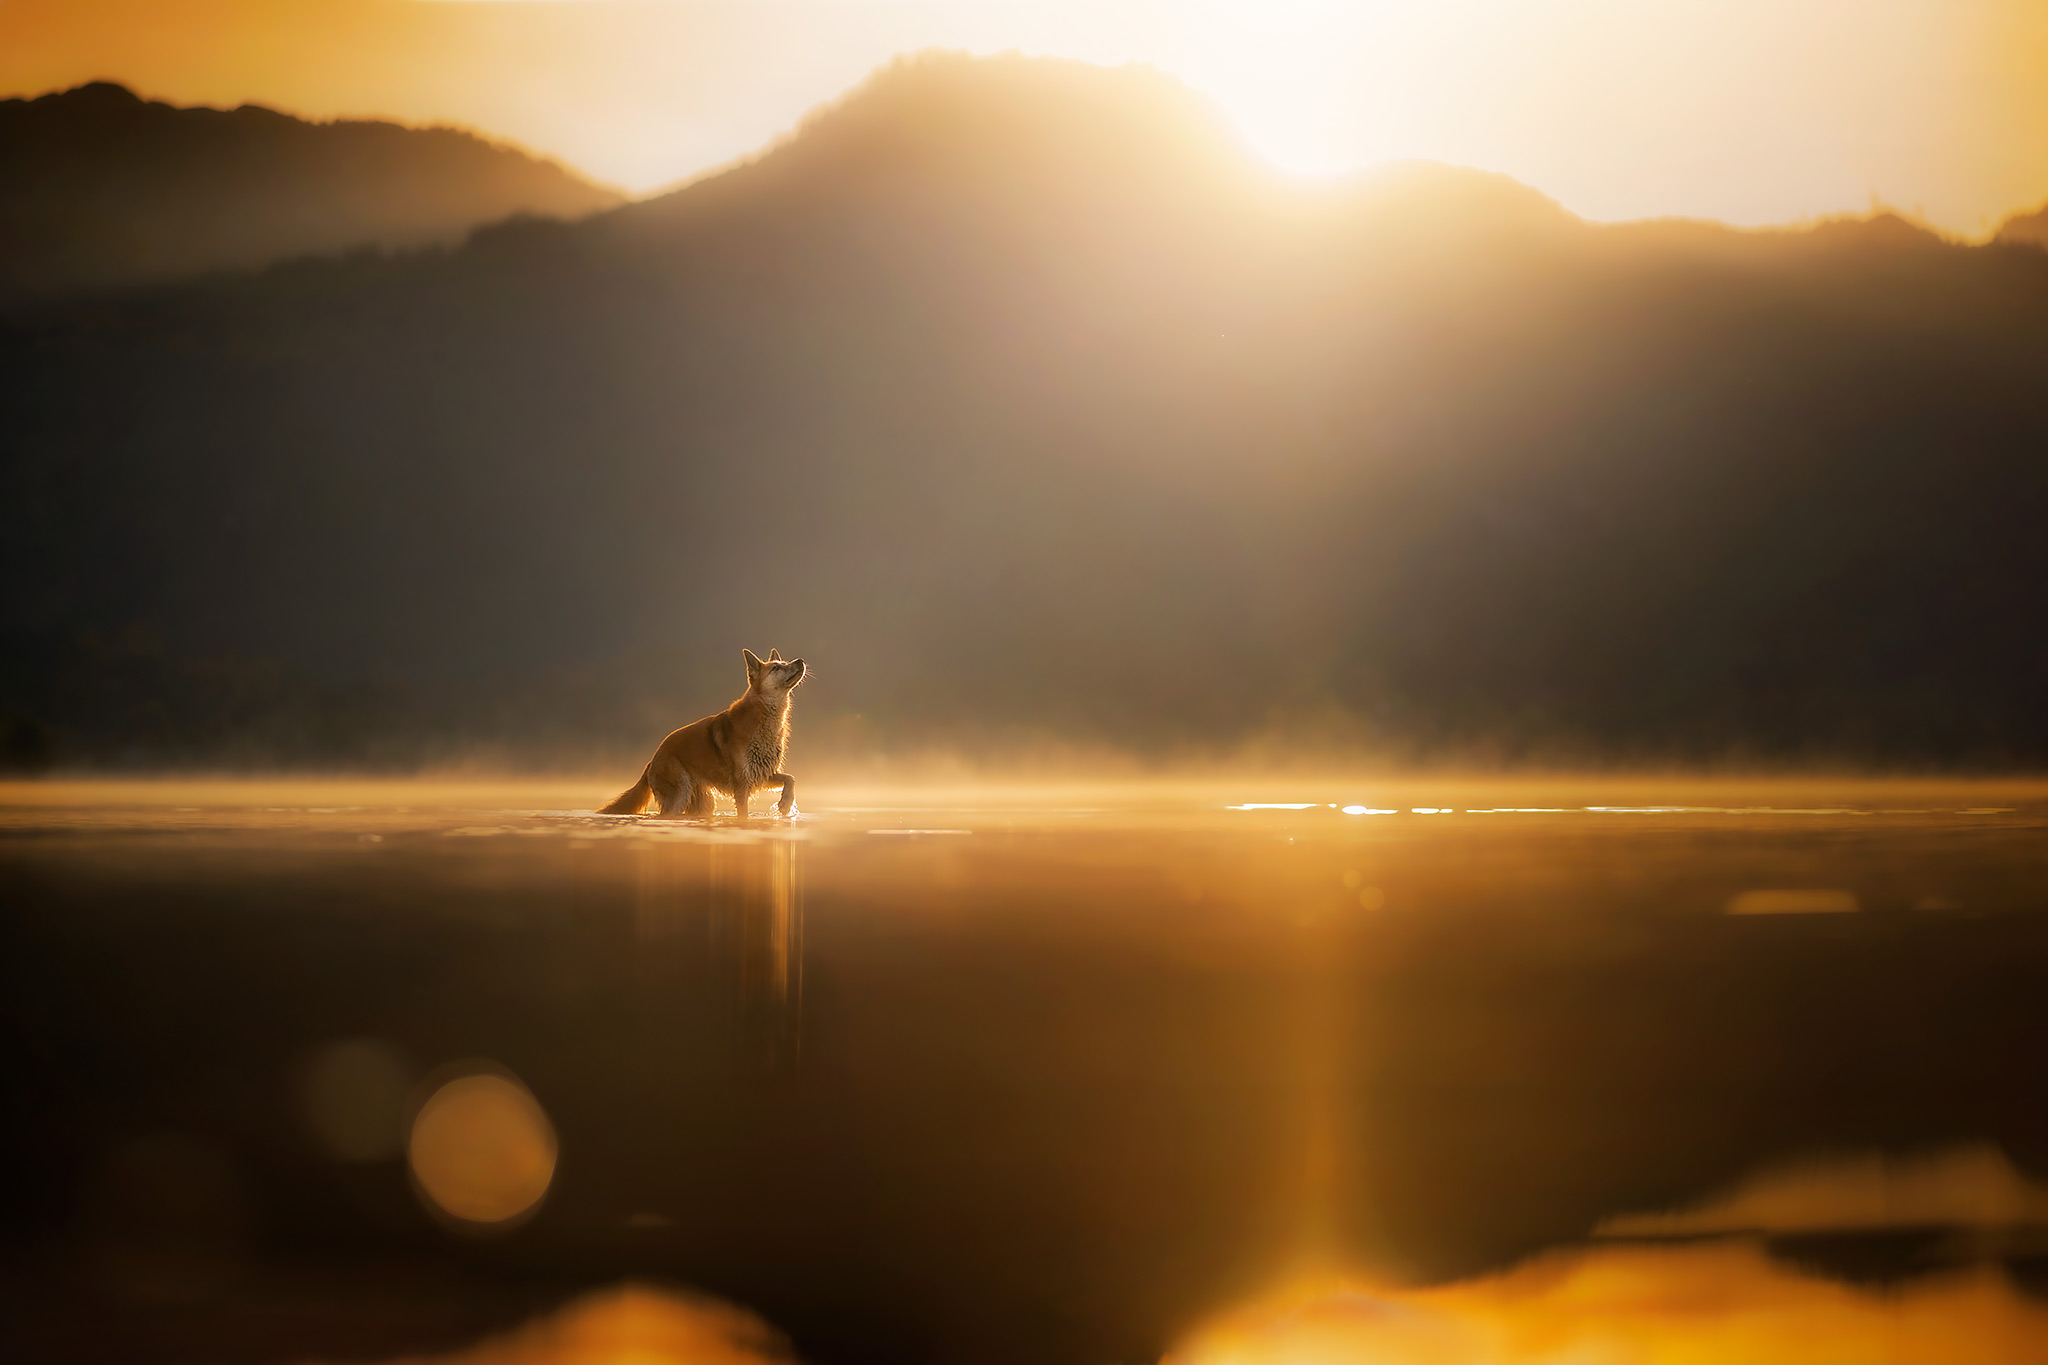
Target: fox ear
(774, 656)
(753, 662)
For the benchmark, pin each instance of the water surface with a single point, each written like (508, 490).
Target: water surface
(1004, 1074)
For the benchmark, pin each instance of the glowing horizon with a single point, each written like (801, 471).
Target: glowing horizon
(1747, 112)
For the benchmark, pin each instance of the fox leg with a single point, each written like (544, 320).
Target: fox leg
(671, 787)
(741, 790)
(699, 806)
(788, 801)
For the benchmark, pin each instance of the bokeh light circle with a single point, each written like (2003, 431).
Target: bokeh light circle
(482, 1151)
(353, 1097)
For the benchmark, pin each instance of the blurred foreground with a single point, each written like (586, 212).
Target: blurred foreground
(1297, 1070)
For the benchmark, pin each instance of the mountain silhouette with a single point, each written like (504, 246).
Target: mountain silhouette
(1033, 410)
(99, 188)
(2025, 229)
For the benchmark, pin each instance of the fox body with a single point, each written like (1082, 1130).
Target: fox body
(738, 751)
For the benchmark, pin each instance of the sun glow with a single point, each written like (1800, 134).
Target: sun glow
(1280, 69)
(1751, 111)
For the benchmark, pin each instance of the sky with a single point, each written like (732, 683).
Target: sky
(1749, 111)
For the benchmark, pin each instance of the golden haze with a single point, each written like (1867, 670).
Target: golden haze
(1751, 111)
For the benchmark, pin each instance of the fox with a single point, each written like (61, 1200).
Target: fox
(738, 751)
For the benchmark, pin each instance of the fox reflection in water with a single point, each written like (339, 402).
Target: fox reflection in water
(744, 894)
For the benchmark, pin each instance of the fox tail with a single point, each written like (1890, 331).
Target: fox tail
(633, 799)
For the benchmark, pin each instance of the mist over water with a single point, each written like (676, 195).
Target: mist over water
(1273, 1069)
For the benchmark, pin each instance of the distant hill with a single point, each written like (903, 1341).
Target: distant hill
(2029, 228)
(100, 189)
(1029, 407)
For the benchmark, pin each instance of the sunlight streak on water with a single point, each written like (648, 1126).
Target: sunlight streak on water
(633, 1325)
(1719, 1302)
(1673, 1299)
(1973, 1187)
(1831, 901)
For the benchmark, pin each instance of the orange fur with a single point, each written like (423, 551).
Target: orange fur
(738, 751)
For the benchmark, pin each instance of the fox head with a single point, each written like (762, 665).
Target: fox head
(773, 676)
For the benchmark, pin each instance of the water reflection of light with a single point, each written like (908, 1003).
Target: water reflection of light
(1368, 810)
(1718, 1302)
(482, 1150)
(1973, 1187)
(1830, 901)
(1684, 1300)
(1733, 810)
(633, 1325)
